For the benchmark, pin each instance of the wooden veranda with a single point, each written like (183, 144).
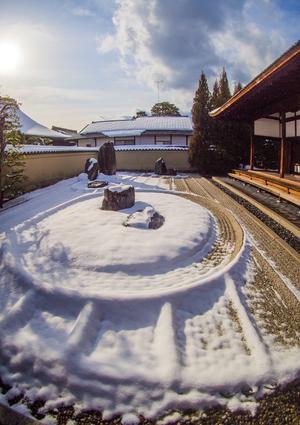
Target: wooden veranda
(271, 104)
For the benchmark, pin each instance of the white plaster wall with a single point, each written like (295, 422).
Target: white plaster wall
(298, 128)
(267, 127)
(289, 115)
(102, 140)
(290, 129)
(160, 138)
(85, 142)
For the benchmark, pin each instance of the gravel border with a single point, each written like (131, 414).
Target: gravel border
(281, 231)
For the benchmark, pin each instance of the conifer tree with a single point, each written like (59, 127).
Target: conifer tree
(215, 97)
(11, 164)
(237, 87)
(224, 88)
(201, 125)
(200, 107)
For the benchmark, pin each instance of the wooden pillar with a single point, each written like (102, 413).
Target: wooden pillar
(282, 145)
(288, 162)
(252, 146)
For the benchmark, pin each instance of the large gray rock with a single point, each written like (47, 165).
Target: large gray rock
(91, 168)
(107, 159)
(160, 167)
(118, 197)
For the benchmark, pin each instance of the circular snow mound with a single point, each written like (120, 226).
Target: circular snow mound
(81, 248)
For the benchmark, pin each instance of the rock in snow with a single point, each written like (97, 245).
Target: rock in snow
(107, 159)
(91, 168)
(118, 197)
(160, 167)
(147, 218)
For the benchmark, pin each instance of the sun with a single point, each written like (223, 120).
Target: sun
(10, 57)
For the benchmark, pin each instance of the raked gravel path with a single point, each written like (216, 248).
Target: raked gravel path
(273, 297)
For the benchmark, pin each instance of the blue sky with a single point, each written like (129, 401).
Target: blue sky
(93, 59)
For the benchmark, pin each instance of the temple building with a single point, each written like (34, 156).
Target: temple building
(152, 130)
(271, 104)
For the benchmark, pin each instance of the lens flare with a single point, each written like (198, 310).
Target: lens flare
(10, 57)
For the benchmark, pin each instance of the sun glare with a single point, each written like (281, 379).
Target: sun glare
(10, 56)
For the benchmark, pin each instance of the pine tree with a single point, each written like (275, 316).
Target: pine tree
(200, 107)
(224, 88)
(199, 144)
(11, 163)
(215, 97)
(232, 136)
(237, 87)
(229, 139)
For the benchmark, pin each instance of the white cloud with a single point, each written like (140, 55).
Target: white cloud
(173, 40)
(82, 11)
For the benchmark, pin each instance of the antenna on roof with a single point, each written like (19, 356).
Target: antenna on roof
(158, 82)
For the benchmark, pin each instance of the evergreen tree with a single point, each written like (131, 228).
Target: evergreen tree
(11, 164)
(232, 136)
(199, 144)
(224, 88)
(237, 87)
(165, 108)
(200, 107)
(215, 97)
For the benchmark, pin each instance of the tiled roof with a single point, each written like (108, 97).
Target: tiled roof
(36, 149)
(166, 123)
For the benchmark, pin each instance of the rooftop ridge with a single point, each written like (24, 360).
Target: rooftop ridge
(147, 116)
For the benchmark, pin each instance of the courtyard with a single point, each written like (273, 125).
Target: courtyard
(100, 313)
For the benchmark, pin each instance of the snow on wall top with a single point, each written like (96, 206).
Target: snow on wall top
(35, 149)
(141, 123)
(29, 127)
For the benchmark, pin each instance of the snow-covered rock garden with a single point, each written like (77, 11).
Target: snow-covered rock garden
(99, 310)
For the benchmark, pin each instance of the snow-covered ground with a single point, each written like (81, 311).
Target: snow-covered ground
(126, 319)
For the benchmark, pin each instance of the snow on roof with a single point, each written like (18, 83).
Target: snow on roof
(35, 149)
(116, 133)
(142, 124)
(29, 127)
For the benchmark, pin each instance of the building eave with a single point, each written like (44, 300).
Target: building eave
(277, 66)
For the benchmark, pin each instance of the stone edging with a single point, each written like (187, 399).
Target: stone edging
(283, 228)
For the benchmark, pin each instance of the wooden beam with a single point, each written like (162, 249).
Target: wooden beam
(252, 146)
(282, 145)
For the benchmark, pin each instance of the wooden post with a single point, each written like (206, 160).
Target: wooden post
(282, 145)
(252, 146)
